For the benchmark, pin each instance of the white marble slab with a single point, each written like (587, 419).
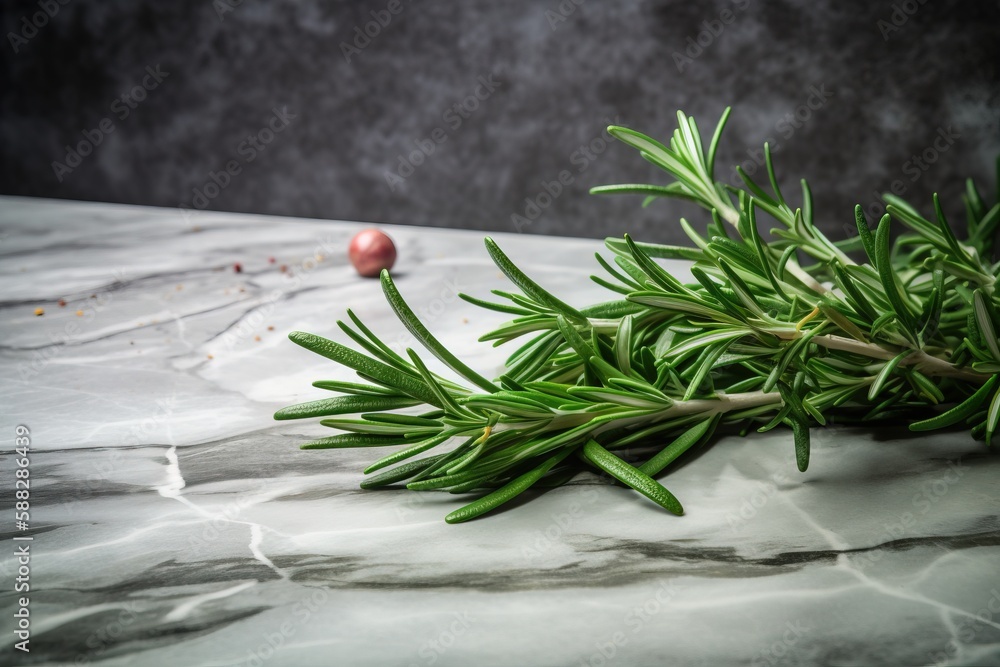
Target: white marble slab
(175, 523)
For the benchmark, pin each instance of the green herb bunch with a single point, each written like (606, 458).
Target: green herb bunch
(780, 328)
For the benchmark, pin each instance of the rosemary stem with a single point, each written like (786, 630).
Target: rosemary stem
(724, 403)
(709, 407)
(925, 363)
(793, 268)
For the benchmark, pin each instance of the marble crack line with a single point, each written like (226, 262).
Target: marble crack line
(944, 610)
(82, 392)
(182, 610)
(832, 539)
(261, 303)
(754, 597)
(135, 534)
(175, 480)
(256, 537)
(107, 333)
(181, 329)
(945, 556)
(172, 489)
(844, 562)
(50, 623)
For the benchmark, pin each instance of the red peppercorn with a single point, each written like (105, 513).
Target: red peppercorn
(370, 252)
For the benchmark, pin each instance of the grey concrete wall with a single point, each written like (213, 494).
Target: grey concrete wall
(312, 117)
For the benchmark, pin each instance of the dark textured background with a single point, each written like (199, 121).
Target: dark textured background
(893, 87)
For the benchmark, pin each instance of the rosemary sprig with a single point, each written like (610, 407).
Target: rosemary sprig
(756, 340)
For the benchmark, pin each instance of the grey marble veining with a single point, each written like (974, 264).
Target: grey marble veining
(175, 523)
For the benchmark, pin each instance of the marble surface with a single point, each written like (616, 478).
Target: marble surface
(175, 523)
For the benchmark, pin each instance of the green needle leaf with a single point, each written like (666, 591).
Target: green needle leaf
(354, 388)
(623, 342)
(672, 190)
(416, 327)
(985, 322)
(800, 431)
(885, 374)
(681, 444)
(400, 473)
(349, 440)
(992, 418)
(714, 145)
(631, 476)
(765, 260)
(960, 412)
(410, 451)
(527, 285)
(369, 367)
(507, 492)
(866, 234)
(445, 399)
(888, 276)
(343, 405)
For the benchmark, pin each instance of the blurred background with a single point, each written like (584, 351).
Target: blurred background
(490, 115)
